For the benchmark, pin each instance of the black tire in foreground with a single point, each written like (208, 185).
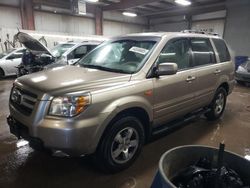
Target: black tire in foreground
(1, 73)
(121, 144)
(218, 105)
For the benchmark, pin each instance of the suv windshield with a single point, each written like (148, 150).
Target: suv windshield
(6, 53)
(123, 56)
(58, 50)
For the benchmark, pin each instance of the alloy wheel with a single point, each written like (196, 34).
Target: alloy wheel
(124, 145)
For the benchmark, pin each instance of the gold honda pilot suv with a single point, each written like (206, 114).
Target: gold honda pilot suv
(120, 94)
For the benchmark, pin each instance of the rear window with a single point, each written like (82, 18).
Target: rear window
(222, 50)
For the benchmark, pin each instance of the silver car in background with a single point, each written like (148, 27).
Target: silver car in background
(71, 52)
(242, 74)
(38, 57)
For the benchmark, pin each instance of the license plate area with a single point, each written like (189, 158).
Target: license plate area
(18, 129)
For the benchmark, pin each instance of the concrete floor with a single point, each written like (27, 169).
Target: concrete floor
(20, 166)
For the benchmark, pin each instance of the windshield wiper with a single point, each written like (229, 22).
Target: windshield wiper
(105, 68)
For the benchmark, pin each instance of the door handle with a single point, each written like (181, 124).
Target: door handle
(190, 78)
(218, 71)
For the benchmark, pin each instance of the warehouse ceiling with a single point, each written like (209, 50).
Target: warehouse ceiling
(163, 8)
(144, 8)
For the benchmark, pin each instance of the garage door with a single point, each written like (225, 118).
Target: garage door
(215, 26)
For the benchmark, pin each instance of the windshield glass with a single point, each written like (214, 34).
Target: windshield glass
(58, 50)
(124, 56)
(6, 53)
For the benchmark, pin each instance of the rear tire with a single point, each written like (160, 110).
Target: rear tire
(218, 105)
(120, 145)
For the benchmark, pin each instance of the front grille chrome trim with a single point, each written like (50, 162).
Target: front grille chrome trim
(26, 102)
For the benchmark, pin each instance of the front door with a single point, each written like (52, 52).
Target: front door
(174, 94)
(13, 60)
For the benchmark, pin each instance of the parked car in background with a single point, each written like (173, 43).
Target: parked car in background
(38, 57)
(71, 52)
(242, 74)
(9, 61)
(120, 94)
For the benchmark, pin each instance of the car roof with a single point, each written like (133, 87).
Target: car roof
(163, 34)
(83, 42)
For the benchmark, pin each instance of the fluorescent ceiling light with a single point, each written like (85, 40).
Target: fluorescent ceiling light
(130, 14)
(183, 2)
(92, 1)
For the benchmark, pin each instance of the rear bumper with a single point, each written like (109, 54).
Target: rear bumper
(242, 77)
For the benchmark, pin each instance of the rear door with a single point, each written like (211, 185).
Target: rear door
(225, 59)
(174, 94)
(206, 70)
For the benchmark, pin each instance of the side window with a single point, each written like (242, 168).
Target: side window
(91, 47)
(176, 51)
(79, 52)
(202, 51)
(222, 50)
(17, 54)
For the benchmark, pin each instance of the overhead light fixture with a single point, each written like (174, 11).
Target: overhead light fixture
(92, 1)
(183, 2)
(130, 14)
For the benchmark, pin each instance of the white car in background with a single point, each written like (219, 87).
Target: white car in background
(71, 52)
(9, 60)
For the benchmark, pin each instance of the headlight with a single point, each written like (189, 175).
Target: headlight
(69, 106)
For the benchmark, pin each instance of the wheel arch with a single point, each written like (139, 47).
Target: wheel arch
(138, 112)
(1, 69)
(225, 85)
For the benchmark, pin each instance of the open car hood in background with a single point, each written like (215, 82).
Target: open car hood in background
(32, 44)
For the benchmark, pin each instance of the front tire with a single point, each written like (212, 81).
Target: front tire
(120, 145)
(218, 105)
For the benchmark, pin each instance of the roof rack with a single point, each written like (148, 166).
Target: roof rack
(199, 32)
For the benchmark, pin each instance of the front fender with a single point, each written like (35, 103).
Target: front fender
(119, 105)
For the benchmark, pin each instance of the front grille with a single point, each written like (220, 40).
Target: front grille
(23, 100)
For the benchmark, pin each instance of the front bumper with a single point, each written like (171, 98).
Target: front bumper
(70, 137)
(21, 131)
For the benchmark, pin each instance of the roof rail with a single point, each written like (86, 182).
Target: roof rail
(193, 31)
(199, 32)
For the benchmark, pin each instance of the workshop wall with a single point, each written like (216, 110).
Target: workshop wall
(10, 17)
(237, 29)
(63, 23)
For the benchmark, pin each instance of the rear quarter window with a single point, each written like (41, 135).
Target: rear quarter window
(222, 50)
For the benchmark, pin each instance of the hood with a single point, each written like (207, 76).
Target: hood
(32, 44)
(54, 65)
(62, 80)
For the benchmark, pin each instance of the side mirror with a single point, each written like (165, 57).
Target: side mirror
(166, 69)
(47, 57)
